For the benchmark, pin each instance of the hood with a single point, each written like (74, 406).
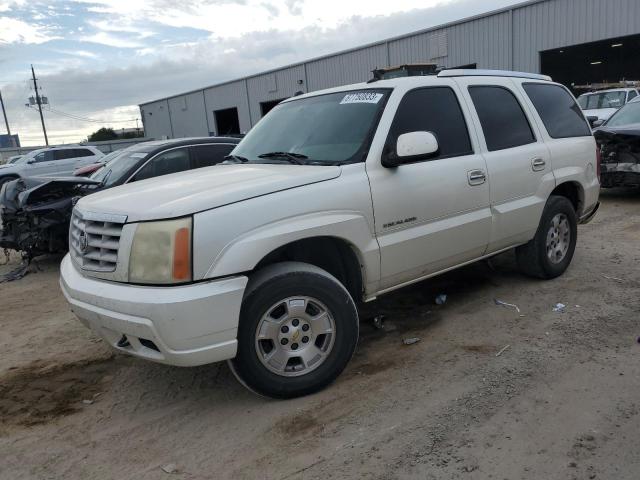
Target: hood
(601, 113)
(5, 166)
(31, 191)
(185, 193)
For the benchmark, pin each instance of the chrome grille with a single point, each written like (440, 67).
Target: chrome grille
(94, 240)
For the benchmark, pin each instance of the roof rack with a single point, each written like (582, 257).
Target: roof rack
(406, 70)
(492, 73)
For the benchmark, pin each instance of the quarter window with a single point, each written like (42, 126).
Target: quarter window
(558, 110)
(435, 110)
(503, 120)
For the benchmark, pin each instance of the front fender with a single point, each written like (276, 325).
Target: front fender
(243, 253)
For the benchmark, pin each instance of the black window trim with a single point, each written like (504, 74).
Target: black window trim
(388, 146)
(542, 119)
(524, 112)
(188, 147)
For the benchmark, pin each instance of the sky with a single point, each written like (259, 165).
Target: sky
(96, 60)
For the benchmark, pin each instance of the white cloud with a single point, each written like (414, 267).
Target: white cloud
(17, 31)
(105, 38)
(77, 53)
(233, 18)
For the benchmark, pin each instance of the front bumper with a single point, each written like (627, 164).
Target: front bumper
(184, 325)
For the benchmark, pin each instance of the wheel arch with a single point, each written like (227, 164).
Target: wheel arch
(332, 254)
(572, 191)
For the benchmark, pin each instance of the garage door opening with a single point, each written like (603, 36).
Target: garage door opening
(266, 107)
(606, 61)
(227, 122)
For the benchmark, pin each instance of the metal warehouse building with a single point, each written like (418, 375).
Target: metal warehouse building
(575, 41)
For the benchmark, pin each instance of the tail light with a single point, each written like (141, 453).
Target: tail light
(598, 162)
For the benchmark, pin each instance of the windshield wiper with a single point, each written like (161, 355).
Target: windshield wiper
(295, 158)
(236, 158)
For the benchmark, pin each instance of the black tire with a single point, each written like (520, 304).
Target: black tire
(272, 285)
(532, 257)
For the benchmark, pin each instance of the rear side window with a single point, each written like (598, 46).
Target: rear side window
(207, 155)
(82, 152)
(503, 121)
(435, 110)
(560, 113)
(172, 161)
(632, 94)
(61, 154)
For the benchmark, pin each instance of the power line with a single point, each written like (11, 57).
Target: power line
(86, 119)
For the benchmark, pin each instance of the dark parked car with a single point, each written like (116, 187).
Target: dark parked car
(619, 141)
(35, 212)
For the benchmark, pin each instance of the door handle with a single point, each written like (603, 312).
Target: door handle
(538, 164)
(476, 177)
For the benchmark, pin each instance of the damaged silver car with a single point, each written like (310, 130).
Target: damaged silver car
(619, 141)
(36, 212)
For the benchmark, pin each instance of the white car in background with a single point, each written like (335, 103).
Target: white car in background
(47, 162)
(600, 106)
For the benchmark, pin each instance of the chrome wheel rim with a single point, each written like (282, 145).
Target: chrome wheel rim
(558, 238)
(295, 336)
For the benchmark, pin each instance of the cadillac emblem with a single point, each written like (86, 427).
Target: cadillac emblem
(83, 242)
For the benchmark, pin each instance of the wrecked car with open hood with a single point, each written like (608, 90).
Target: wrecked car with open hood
(36, 212)
(619, 141)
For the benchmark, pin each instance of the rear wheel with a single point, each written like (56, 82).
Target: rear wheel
(550, 252)
(298, 330)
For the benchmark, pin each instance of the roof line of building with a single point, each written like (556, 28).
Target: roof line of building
(453, 23)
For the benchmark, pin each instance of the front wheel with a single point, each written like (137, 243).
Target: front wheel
(550, 252)
(298, 330)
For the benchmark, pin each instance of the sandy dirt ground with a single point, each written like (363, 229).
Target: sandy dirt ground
(561, 402)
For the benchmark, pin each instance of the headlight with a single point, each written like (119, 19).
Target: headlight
(161, 252)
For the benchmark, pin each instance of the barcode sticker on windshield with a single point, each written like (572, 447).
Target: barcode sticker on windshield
(362, 97)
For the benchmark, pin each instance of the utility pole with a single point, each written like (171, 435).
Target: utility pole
(39, 102)
(6, 122)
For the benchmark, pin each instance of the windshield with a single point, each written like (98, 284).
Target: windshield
(627, 115)
(118, 167)
(326, 129)
(595, 101)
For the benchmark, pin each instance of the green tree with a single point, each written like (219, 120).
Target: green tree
(103, 135)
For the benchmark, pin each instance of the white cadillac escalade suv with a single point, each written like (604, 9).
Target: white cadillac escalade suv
(334, 198)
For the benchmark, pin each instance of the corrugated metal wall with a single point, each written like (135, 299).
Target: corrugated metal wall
(188, 115)
(225, 96)
(156, 119)
(350, 67)
(562, 23)
(273, 86)
(508, 39)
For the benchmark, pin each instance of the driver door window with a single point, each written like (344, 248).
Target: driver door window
(172, 161)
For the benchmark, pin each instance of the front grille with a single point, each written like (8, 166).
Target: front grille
(94, 240)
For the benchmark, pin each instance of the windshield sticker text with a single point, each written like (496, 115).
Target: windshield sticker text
(361, 97)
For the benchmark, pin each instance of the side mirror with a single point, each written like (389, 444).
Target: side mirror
(31, 162)
(597, 123)
(411, 147)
